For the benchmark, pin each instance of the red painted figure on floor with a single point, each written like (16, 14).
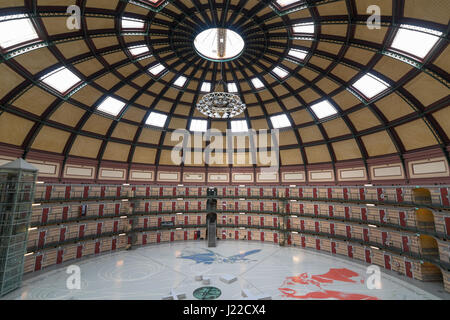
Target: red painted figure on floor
(342, 275)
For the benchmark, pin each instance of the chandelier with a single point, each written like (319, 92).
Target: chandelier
(221, 104)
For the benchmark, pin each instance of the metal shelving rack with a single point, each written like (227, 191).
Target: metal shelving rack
(17, 186)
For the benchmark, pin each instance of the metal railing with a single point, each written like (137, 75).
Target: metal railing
(70, 237)
(435, 201)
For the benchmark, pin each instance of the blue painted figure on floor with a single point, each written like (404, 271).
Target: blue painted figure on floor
(210, 256)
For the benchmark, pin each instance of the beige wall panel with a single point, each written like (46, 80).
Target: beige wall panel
(177, 123)
(375, 35)
(392, 68)
(85, 147)
(301, 116)
(72, 48)
(336, 128)
(333, 8)
(87, 95)
(97, 124)
(124, 131)
(116, 151)
(291, 157)
(37, 60)
(291, 102)
(10, 79)
(50, 139)
(344, 72)
(443, 118)
(134, 114)
(345, 100)
(378, 144)
(99, 23)
(426, 89)
(415, 135)
(363, 119)
(385, 6)
(13, 129)
(432, 10)
(311, 133)
(144, 155)
(317, 154)
(35, 100)
(67, 114)
(107, 81)
(89, 67)
(347, 149)
(394, 107)
(150, 136)
(288, 138)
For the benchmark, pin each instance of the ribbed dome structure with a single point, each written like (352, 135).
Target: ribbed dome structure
(304, 53)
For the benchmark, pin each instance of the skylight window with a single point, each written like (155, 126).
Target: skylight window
(323, 109)
(138, 50)
(198, 125)
(206, 87)
(181, 80)
(418, 41)
(129, 23)
(280, 121)
(61, 79)
(17, 31)
(280, 72)
(304, 28)
(156, 119)
(157, 69)
(299, 54)
(257, 83)
(284, 3)
(219, 44)
(239, 126)
(232, 87)
(111, 106)
(370, 86)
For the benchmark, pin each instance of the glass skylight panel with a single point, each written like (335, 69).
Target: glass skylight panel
(61, 79)
(111, 106)
(280, 121)
(304, 28)
(198, 125)
(239, 126)
(14, 32)
(417, 42)
(157, 69)
(284, 3)
(156, 119)
(370, 86)
(257, 83)
(215, 45)
(232, 87)
(280, 72)
(181, 80)
(138, 50)
(206, 87)
(323, 109)
(129, 23)
(299, 54)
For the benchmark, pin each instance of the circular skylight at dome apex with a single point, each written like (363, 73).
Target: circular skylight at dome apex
(219, 44)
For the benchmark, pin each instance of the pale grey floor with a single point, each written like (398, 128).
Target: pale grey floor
(150, 272)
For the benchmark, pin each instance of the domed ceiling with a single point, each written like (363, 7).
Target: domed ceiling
(116, 88)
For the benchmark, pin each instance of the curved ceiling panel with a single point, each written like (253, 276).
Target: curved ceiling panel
(347, 91)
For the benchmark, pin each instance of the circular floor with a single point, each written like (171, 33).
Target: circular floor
(262, 269)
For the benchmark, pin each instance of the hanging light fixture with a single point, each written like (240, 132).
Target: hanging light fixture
(221, 104)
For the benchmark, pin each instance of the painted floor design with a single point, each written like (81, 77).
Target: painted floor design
(151, 272)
